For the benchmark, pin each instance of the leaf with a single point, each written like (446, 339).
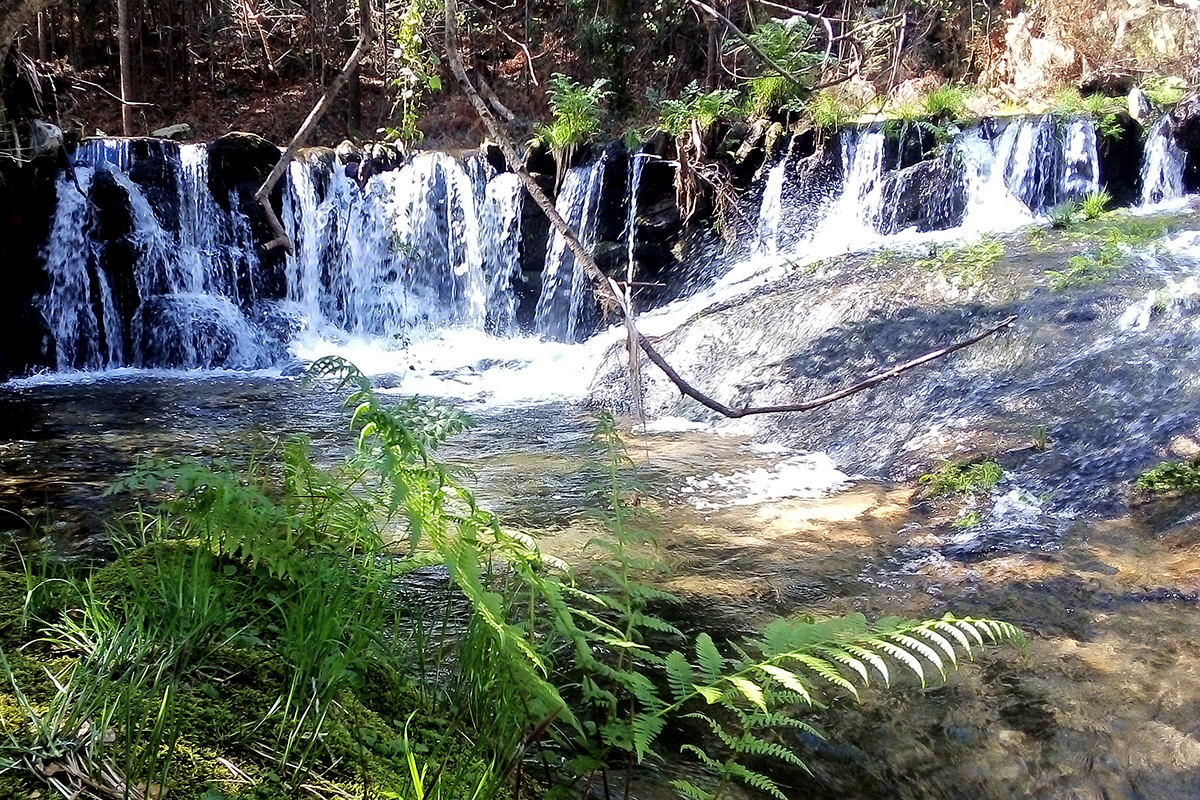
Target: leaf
(750, 691)
(786, 678)
(712, 665)
(711, 694)
(679, 675)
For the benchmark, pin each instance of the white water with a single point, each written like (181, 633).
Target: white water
(1162, 165)
(563, 286)
(414, 272)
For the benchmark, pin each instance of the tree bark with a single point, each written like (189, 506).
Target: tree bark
(126, 67)
(366, 38)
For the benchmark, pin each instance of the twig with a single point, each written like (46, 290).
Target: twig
(113, 96)
(876, 379)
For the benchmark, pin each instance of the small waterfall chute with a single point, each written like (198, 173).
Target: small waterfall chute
(564, 288)
(1162, 165)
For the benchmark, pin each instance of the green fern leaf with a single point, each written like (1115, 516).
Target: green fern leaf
(691, 791)
(915, 644)
(712, 665)
(679, 675)
(942, 643)
(827, 671)
(871, 658)
(950, 626)
(711, 694)
(903, 656)
(789, 679)
(755, 780)
(750, 691)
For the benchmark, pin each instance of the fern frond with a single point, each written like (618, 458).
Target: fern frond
(679, 675)
(712, 664)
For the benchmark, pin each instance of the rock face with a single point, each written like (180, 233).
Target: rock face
(1110, 347)
(928, 196)
(1185, 128)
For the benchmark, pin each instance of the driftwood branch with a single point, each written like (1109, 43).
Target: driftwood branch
(610, 294)
(366, 38)
(808, 405)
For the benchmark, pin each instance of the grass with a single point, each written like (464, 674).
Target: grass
(956, 478)
(968, 264)
(1094, 204)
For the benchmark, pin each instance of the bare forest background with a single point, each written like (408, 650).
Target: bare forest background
(259, 65)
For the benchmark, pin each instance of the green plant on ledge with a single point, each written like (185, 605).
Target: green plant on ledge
(962, 477)
(1170, 478)
(577, 116)
(1094, 204)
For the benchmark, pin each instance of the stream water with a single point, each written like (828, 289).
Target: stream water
(410, 278)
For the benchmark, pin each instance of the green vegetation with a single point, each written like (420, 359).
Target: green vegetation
(697, 109)
(787, 44)
(254, 638)
(1094, 204)
(1085, 269)
(1171, 479)
(577, 116)
(1164, 90)
(967, 264)
(1062, 215)
(953, 478)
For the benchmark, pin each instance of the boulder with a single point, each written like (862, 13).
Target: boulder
(1185, 128)
(930, 195)
(179, 133)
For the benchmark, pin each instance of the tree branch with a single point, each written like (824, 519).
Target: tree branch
(728, 23)
(808, 405)
(366, 38)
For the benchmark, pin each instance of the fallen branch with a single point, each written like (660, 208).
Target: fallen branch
(808, 405)
(366, 38)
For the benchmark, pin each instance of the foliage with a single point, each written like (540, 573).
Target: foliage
(1094, 203)
(786, 43)
(1171, 478)
(945, 104)
(1083, 269)
(577, 115)
(1164, 90)
(695, 109)
(828, 112)
(968, 264)
(1062, 215)
(258, 616)
(415, 71)
(962, 477)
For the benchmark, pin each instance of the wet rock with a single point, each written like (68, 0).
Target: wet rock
(239, 163)
(349, 153)
(194, 331)
(180, 133)
(928, 196)
(1185, 128)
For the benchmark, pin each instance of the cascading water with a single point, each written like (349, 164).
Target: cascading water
(563, 286)
(1162, 165)
(637, 163)
(416, 249)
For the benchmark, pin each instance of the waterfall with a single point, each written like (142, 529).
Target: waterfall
(417, 249)
(770, 213)
(68, 303)
(1081, 160)
(637, 162)
(1162, 165)
(563, 286)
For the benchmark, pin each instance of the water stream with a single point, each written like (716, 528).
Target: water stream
(413, 276)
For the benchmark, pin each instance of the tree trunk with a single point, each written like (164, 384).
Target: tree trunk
(126, 66)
